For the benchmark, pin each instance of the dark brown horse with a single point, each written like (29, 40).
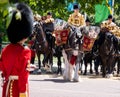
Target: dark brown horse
(41, 44)
(106, 51)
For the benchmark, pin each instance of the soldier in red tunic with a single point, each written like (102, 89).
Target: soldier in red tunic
(15, 58)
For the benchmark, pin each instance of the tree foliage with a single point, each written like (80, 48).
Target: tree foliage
(59, 8)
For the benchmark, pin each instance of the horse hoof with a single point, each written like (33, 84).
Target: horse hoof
(109, 75)
(84, 73)
(97, 73)
(49, 71)
(79, 72)
(65, 78)
(77, 80)
(118, 75)
(91, 72)
(39, 71)
(59, 73)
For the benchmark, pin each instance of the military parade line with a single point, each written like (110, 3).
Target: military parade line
(78, 42)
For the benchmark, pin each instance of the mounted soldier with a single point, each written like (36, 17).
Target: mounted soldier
(76, 18)
(113, 28)
(72, 53)
(48, 27)
(76, 21)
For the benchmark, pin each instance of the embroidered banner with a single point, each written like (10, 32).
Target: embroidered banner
(61, 36)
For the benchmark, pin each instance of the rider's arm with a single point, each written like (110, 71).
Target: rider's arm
(49, 20)
(82, 20)
(70, 19)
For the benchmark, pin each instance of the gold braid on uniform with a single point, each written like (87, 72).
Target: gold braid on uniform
(115, 30)
(49, 20)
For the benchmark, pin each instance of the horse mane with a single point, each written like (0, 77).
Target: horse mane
(104, 30)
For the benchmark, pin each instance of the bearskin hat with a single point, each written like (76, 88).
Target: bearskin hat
(21, 24)
(75, 6)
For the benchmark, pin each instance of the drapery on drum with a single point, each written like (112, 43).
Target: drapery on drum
(61, 36)
(88, 43)
(91, 34)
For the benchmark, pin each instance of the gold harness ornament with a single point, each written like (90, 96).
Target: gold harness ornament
(113, 28)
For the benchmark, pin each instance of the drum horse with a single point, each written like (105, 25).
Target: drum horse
(71, 48)
(72, 54)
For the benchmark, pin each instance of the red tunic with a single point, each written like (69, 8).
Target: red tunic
(14, 61)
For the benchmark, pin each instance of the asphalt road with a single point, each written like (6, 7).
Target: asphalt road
(53, 85)
(91, 86)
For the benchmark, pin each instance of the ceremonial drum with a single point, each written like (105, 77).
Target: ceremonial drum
(61, 36)
(60, 33)
(113, 28)
(90, 35)
(59, 24)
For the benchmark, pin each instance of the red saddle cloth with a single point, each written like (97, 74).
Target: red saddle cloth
(88, 43)
(61, 36)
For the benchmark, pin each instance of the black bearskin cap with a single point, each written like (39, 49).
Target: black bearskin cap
(75, 6)
(19, 29)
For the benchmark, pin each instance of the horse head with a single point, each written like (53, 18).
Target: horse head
(39, 34)
(109, 42)
(108, 45)
(75, 37)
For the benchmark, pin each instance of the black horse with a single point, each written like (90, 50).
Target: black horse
(90, 32)
(106, 51)
(87, 59)
(58, 55)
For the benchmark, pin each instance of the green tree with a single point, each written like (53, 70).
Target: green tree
(59, 8)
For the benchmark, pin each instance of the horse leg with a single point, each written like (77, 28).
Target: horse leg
(66, 66)
(70, 72)
(110, 66)
(59, 65)
(91, 71)
(46, 57)
(104, 67)
(85, 71)
(76, 75)
(76, 69)
(118, 66)
(39, 64)
(104, 71)
(80, 66)
(45, 60)
(50, 60)
(96, 64)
